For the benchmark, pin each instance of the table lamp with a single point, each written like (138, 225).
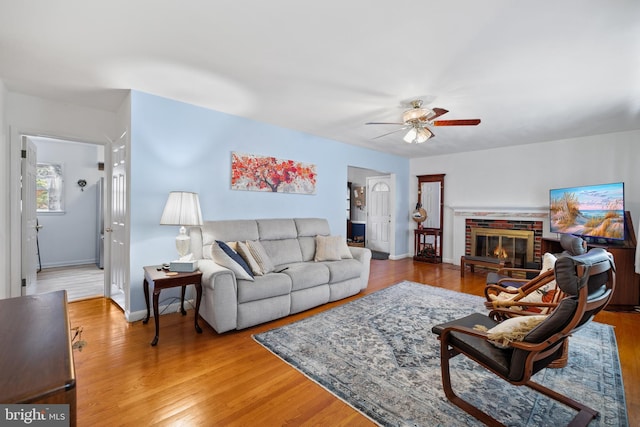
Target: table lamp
(183, 209)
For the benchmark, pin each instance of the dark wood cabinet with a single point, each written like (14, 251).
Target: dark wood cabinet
(627, 293)
(36, 363)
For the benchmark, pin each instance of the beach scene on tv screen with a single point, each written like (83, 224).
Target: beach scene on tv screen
(596, 211)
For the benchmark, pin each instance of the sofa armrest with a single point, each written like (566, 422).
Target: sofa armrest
(211, 270)
(364, 256)
(359, 253)
(220, 291)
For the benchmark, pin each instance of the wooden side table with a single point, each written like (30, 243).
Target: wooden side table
(161, 279)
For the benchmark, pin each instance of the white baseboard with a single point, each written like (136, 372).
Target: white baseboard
(134, 316)
(397, 257)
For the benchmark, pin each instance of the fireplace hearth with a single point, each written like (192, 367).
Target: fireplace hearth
(515, 241)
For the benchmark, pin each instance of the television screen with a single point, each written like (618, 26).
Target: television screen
(591, 211)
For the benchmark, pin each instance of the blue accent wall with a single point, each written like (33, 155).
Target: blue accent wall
(177, 146)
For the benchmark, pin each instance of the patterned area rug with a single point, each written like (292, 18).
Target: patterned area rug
(379, 355)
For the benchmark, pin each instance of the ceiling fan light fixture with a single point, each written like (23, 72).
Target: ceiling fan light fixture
(416, 114)
(417, 135)
(423, 134)
(410, 136)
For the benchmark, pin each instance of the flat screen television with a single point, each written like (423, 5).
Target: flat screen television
(591, 211)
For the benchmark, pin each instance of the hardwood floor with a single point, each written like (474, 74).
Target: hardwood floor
(80, 282)
(221, 380)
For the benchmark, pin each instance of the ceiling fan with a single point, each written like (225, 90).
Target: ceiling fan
(416, 120)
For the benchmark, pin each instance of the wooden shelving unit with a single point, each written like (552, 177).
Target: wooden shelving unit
(428, 245)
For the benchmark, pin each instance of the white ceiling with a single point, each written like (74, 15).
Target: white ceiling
(532, 71)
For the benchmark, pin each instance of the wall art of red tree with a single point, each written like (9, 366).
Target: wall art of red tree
(263, 173)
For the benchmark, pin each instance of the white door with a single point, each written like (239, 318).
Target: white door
(118, 231)
(29, 219)
(378, 213)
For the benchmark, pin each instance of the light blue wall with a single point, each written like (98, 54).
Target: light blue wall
(79, 222)
(177, 146)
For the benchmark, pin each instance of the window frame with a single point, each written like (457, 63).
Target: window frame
(50, 181)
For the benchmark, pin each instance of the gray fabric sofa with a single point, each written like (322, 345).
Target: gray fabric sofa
(297, 283)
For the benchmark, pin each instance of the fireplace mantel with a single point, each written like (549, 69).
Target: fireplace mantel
(501, 212)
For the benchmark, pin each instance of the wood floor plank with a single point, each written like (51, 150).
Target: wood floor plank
(80, 281)
(229, 379)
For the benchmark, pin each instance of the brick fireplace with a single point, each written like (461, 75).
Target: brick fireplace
(518, 241)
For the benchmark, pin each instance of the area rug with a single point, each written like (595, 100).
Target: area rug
(378, 354)
(379, 255)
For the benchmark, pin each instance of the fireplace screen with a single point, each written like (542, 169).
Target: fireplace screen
(516, 246)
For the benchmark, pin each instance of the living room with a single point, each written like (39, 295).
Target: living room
(180, 144)
(201, 163)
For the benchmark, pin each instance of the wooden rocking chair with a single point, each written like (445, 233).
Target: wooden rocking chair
(587, 281)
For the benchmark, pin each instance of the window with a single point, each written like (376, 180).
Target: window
(49, 188)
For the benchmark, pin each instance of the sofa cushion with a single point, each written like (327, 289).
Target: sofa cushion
(307, 247)
(230, 230)
(284, 251)
(276, 229)
(311, 227)
(267, 286)
(260, 255)
(306, 275)
(343, 270)
(308, 229)
(223, 259)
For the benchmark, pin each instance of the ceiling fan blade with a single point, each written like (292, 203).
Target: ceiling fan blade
(439, 112)
(383, 123)
(467, 122)
(389, 133)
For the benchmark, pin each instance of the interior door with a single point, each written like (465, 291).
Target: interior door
(118, 231)
(29, 219)
(379, 213)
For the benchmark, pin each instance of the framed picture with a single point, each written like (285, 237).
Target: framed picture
(252, 172)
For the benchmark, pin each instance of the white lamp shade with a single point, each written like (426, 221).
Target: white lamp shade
(417, 135)
(422, 135)
(182, 208)
(410, 136)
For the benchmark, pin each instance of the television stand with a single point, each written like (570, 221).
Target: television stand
(627, 293)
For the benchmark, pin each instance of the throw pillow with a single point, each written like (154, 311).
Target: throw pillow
(245, 253)
(548, 262)
(345, 253)
(512, 329)
(226, 258)
(328, 248)
(545, 293)
(260, 255)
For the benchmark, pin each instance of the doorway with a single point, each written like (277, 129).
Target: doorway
(379, 214)
(372, 213)
(69, 194)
